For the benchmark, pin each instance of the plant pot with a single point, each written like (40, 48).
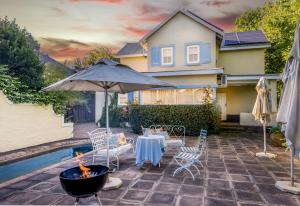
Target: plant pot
(277, 139)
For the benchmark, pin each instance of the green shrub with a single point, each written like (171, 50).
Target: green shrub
(193, 117)
(117, 116)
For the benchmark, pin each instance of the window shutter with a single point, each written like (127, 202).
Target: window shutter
(130, 97)
(155, 56)
(205, 53)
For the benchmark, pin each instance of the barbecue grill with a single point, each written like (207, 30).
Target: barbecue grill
(78, 186)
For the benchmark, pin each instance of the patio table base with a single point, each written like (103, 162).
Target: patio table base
(287, 187)
(268, 155)
(113, 183)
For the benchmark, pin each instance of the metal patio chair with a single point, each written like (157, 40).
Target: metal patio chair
(186, 160)
(201, 139)
(175, 133)
(99, 137)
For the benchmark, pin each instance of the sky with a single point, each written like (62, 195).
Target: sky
(67, 29)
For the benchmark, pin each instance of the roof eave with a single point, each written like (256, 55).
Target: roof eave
(242, 47)
(130, 55)
(186, 72)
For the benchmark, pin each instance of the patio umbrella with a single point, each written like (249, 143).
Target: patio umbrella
(262, 110)
(289, 109)
(107, 76)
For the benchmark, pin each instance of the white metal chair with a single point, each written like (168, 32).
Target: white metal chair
(191, 156)
(99, 137)
(201, 140)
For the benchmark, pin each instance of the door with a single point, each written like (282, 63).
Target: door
(221, 101)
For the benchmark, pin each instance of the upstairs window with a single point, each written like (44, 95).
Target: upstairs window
(193, 54)
(167, 56)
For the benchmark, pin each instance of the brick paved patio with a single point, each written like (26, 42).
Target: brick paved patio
(232, 176)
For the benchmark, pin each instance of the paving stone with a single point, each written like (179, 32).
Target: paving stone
(245, 186)
(264, 180)
(123, 202)
(219, 193)
(135, 195)
(259, 173)
(46, 199)
(220, 184)
(20, 198)
(111, 194)
(171, 179)
(22, 184)
(161, 198)
(240, 178)
(281, 200)
(5, 192)
(217, 175)
(218, 202)
(57, 189)
(42, 177)
(216, 169)
(191, 190)
(248, 196)
(43, 186)
(152, 177)
(269, 189)
(237, 171)
(166, 187)
(191, 181)
(143, 185)
(252, 204)
(190, 201)
(66, 200)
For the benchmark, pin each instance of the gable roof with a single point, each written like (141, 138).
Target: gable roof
(189, 14)
(246, 39)
(131, 49)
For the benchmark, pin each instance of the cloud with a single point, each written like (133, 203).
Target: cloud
(227, 22)
(62, 49)
(98, 1)
(136, 31)
(216, 3)
(57, 11)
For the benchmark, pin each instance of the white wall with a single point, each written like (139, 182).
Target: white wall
(24, 125)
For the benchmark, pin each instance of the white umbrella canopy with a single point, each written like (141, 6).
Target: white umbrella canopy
(289, 107)
(262, 110)
(108, 76)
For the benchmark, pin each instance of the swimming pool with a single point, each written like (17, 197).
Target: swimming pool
(22, 167)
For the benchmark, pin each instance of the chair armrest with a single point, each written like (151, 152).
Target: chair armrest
(130, 140)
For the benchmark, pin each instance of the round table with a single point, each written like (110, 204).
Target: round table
(149, 148)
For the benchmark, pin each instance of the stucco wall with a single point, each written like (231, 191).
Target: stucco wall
(23, 125)
(137, 63)
(190, 80)
(241, 99)
(179, 31)
(238, 62)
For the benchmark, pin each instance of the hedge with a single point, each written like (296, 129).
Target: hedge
(193, 117)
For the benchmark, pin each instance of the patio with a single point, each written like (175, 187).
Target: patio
(233, 176)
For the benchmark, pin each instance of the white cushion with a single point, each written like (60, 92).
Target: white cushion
(118, 150)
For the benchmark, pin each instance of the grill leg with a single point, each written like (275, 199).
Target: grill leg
(98, 199)
(76, 201)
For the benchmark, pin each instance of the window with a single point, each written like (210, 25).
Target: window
(176, 96)
(122, 99)
(193, 54)
(167, 56)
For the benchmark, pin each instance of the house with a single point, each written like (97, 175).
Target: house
(199, 58)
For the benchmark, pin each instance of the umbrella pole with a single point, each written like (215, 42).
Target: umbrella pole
(265, 141)
(107, 127)
(292, 165)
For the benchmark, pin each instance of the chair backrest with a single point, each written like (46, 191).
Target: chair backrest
(98, 138)
(175, 131)
(202, 138)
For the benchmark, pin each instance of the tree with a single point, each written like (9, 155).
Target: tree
(278, 19)
(18, 51)
(92, 57)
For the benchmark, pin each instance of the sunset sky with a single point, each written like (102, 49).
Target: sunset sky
(70, 28)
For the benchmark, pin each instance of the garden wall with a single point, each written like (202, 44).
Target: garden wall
(24, 125)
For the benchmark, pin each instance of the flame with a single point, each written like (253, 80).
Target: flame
(85, 172)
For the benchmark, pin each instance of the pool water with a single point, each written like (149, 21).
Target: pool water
(22, 167)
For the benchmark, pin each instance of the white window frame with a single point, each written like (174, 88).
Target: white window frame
(119, 99)
(162, 56)
(188, 54)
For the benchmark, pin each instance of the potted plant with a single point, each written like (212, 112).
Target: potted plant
(277, 138)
